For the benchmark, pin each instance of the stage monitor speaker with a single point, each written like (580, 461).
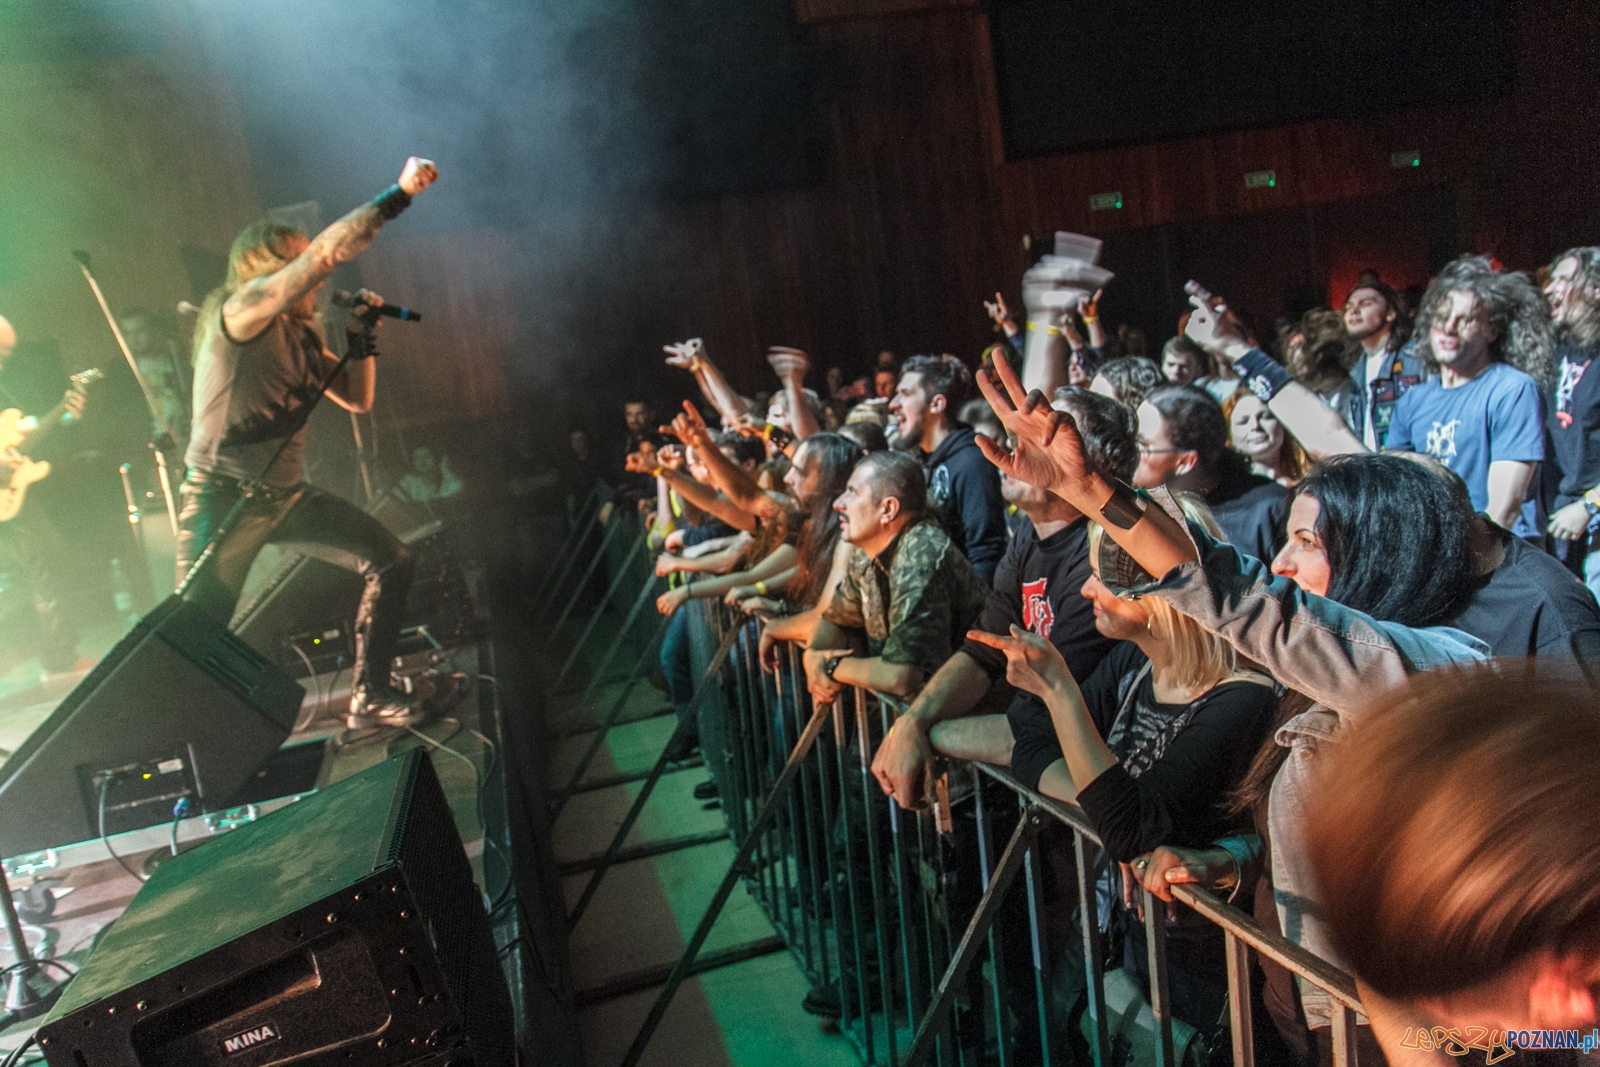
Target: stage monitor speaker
(180, 707)
(342, 929)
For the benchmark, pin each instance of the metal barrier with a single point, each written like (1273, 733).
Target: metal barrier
(907, 919)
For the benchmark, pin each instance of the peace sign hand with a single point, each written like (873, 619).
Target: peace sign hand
(1048, 452)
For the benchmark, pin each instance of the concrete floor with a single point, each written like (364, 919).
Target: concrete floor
(645, 911)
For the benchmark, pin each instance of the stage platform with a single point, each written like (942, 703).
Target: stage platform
(469, 747)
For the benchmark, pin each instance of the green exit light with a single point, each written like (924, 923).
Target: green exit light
(1261, 179)
(1106, 202)
(1401, 160)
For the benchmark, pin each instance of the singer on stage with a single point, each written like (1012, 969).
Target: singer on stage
(259, 360)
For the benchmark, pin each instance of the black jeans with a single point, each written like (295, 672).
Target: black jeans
(313, 523)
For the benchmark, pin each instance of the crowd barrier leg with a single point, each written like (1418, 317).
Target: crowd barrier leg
(736, 870)
(997, 954)
(1094, 966)
(1344, 1036)
(880, 913)
(594, 619)
(1241, 1025)
(1155, 935)
(589, 890)
(594, 562)
(562, 561)
(955, 976)
(635, 676)
(1041, 950)
(596, 678)
(816, 852)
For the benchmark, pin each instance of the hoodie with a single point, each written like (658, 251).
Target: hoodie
(965, 488)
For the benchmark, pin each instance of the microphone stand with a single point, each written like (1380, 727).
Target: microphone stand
(21, 1000)
(249, 489)
(166, 442)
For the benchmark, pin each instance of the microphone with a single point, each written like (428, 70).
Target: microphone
(344, 298)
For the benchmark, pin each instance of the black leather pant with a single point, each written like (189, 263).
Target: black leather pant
(313, 523)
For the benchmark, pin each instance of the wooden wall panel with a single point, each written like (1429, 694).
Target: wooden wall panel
(921, 217)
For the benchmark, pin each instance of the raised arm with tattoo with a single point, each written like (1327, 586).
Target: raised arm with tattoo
(255, 303)
(736, 485)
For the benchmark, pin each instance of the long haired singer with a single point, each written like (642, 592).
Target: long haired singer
(259, 359)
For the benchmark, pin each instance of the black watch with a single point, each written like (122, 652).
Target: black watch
(1591, 507)
(833, 665)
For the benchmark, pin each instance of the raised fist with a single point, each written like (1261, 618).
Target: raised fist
(417, 175)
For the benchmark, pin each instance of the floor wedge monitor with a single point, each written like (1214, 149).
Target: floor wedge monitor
(342, 929)
(180, 707)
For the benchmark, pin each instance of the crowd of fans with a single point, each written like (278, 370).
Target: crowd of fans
(1163, 588)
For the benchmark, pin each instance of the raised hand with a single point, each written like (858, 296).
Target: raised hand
(417, 175)
(1048, 452)
(1212, 326)
(790, 364)
(685, 354)
(671, 457)
(1089, 306)
(639, 463)
(690, 428)
(1032, 663)
(1000, 314)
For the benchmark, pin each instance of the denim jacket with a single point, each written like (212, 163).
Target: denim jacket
(1341, 658)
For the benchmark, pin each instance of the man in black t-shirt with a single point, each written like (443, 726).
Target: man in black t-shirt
(1574, 412)
(1038, 586)
(1183, 445)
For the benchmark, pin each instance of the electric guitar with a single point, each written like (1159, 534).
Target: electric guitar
(15, 442)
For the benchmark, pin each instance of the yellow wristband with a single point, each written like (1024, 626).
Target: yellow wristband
(1593, 496)
(657, 472)
(1090, 319)
(1049, 330)
(761, 587)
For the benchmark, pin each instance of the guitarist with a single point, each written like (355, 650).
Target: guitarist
(31, 554)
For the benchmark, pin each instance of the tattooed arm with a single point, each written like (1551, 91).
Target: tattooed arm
(255, 303)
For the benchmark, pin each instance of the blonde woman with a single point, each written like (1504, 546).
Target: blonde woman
(1150, 745)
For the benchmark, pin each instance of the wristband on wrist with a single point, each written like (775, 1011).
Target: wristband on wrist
(833, 665)
(657, 472)
(1591, 501)
(1263, 375)
(761, 588)
(1045, 328)
(391, 202)
(1089, 319)
(1124, 509)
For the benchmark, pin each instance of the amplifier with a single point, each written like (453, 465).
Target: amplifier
(342, 929)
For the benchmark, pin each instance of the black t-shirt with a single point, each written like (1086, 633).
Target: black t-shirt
(1533, 606)
(1039, 587)
(1574, 423)
(1176, 762)
(1250, 509)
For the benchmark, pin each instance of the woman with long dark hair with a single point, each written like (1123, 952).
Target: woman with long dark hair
(1379, 556)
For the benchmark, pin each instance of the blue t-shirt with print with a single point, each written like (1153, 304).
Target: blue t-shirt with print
(1496, 416)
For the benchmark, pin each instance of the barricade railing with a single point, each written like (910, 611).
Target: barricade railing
(905, 922)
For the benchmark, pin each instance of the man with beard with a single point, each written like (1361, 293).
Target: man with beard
(962, 485)
(1574, 420)
(1376, 319)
